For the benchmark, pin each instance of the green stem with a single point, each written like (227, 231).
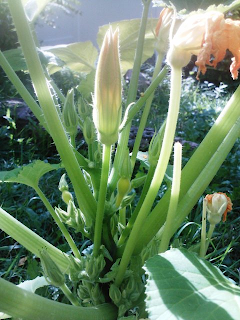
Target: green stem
(74, 301)
(85, 199)
(122, 216)
(30, 240)
(58, 222)
(133, 217)
(21, 89)
(203, 231)
(174, 198)
(23, 304)
(145, 114)
(101, 199)
(209, 236)
(195, 166)
(194, 192)
(158, 175)
(124, 136)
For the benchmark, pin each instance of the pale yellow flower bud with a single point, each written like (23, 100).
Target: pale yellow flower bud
(107, 109)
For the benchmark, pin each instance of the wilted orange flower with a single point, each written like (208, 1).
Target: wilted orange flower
(218, 204)
(209, 35)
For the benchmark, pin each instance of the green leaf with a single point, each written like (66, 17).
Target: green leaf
(79, 57)
(128, 36)
(182, 286)
(29, 174)
(86, 86)
(15, 59)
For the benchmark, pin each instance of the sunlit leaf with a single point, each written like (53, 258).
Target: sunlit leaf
(79, 57)
(128, 36)
(182, 286)
(86, 85)
(29, 174)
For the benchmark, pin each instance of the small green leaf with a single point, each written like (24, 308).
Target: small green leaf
(128, 36)
(29, 174)
(79, 57)
(182, 286)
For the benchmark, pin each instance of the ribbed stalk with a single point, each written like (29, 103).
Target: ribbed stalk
(23, 304)
(30, 240)
(194, 181)
(85, 199)
(158, 175)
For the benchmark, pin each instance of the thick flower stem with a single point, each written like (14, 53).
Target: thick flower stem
(30, 240)
(195, 167)
(23, 304)
(85, 199)
(101, 199)
(158, 175)
(58, 222)
(173, 200)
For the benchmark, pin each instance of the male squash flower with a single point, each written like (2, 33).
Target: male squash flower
(107, 99)
(207, 35)
(218, 205)
(162, 30)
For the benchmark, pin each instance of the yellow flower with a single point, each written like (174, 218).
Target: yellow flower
(206, 35)
(108, 89)
(218, 205)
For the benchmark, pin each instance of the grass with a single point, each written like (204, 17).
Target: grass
(200, 106)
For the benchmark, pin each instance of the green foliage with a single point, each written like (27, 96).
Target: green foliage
(182, 285)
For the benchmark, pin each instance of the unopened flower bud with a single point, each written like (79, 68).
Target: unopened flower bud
(107, 100)
(88, 131)
(115, 294)
(83, 108)
(69, 114)
(51, 271)
(218, 205)
(62, 186)
(123, 187)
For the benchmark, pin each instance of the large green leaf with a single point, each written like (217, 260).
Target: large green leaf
(79, 57)
(29, 174)
(182, 286)
(128, 36)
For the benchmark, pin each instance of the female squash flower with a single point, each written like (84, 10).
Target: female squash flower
(107, 99)
(207, 35)
(218, 205)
